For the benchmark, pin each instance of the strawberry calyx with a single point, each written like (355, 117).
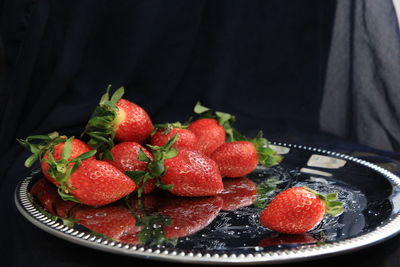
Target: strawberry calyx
(167, 127)
(46, 144)
(265, 190)
(155, 167)
(266, 155)
(101, 126)
(224, 119)
(152, 232)
(61, 169)
(333, 206)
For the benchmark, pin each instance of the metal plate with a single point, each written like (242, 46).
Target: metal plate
(232, 235)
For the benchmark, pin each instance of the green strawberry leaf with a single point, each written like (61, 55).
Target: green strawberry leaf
(117, 94)
(38, 145)
(152, 224)
(136, 176)
(266, 155)
(67, 197)
(100, 127)
(143, 157)
(264, 192)
(67, 149)
(333, 207)
(167, 127)
(200, 109)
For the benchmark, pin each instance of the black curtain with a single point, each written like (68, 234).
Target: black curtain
(261, 60)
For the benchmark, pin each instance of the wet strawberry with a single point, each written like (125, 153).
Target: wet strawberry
(191, 173)
(96, 183)
(126, 158)
(298, 210)
(119, 119)
(53, 143)
(236, 159)
(186, 138)
(210, 135)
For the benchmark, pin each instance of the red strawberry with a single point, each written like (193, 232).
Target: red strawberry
(192, 174)
(275, 239)
(113, 221)
(54, 143)
(117, 118)
(96, 183)
(237, 193)
(189, 215)
(78, 148)
(236, 159)
(239, 158)
(126, 155)
(132, 122)
(210, 135)
(186, 138)
(87, 180)
(298, 210)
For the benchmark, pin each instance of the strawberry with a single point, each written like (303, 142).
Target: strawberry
(51, 143)
(297, 210)
(186, 138)
(239, 158)
(87, 180)
(210, 135)
(236, 159)
(237, 193)
(191, 173)
(189, 216)
(125, 156)
(113, 221)
(183, 173)
(211, 129)
(119, 119)
(96, 183)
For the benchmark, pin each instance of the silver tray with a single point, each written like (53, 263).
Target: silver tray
(371, 195)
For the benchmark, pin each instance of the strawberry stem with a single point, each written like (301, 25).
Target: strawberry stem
(167, 127)
(266, 155)
(61, 169)
(100, 127)
(38, 149)
(155, 167)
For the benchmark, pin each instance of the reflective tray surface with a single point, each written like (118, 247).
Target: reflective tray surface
(225, 229)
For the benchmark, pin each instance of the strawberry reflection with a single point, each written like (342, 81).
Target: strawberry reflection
(113, 221)
(276, 239)
(46, 194)
(189, 215)
(237, 193)
(152, 219)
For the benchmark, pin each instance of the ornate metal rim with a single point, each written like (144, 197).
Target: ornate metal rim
(29, 211)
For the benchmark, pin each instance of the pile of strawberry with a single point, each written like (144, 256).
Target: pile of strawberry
(126, 153)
